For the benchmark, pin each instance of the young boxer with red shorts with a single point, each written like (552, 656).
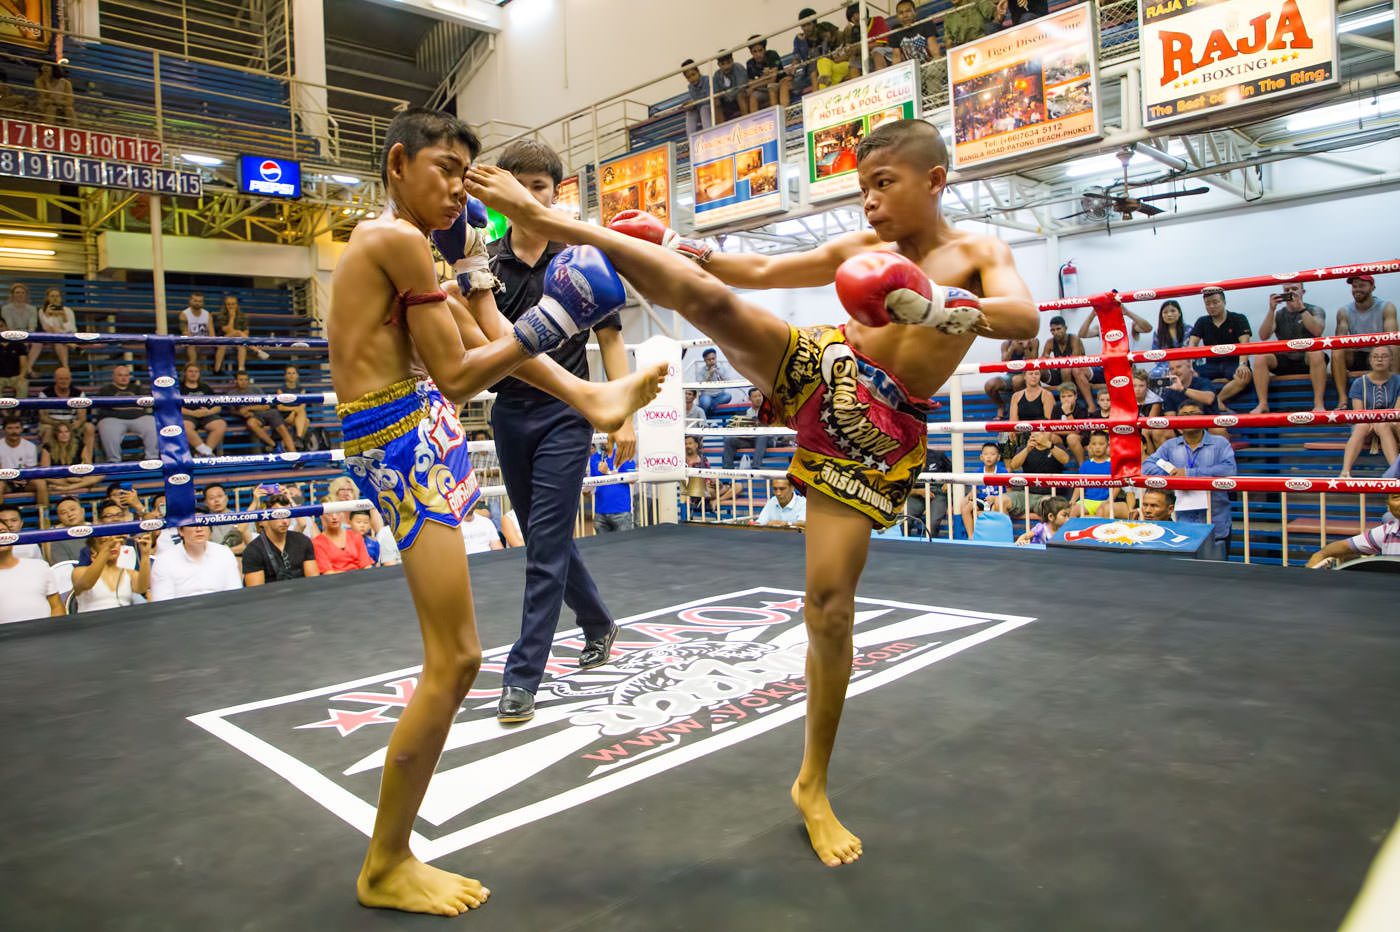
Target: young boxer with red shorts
(856, 394)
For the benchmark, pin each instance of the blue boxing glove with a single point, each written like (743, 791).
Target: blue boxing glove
(581, 289)
(463, 245)
(476, 213)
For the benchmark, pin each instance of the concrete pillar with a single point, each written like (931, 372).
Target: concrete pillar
(309, 70)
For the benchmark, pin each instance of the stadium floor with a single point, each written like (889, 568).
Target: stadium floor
(1044, 740)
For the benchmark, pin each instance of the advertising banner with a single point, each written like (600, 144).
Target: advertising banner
(637, 181)
(737, 169)
(572, 195)
(835, 120)
(1202, 56)
(1026, 88)
(269, 177)
(1158, 536)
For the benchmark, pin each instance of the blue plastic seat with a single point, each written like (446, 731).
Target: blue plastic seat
(993, 527)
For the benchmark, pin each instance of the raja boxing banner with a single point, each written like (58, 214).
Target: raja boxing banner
(571, 195)
(1026, 88)
(836, 120)
(736, 169)
(1201, 56)
(640, 181)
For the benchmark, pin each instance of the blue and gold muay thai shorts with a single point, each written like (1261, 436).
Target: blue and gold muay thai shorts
(407, 452)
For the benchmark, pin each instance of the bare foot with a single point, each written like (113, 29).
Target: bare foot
(608, 405)
(830, 839)
(416, 887)
(1259, 409)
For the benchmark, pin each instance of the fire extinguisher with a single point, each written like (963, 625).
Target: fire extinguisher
(1069, 280)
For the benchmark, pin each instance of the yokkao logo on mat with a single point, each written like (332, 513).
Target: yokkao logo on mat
(685, 681)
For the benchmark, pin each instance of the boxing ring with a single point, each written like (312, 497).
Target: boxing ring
(1032, 739)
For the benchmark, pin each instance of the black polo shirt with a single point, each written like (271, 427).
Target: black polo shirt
(1234, 326)
(523, 288)
(277, 565)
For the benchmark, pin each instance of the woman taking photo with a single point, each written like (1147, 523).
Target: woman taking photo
(101, 583)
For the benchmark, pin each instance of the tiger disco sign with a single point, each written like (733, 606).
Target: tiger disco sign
(1025, 88)
(1202, 56)
(639, 181)
(737, 169)
(836, 120)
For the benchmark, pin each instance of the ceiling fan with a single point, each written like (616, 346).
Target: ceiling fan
(1097, 204)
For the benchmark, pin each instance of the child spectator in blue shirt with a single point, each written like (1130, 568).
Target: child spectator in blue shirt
(986, 497)
(1098, 502)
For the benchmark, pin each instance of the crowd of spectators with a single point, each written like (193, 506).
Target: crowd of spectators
(825, 54)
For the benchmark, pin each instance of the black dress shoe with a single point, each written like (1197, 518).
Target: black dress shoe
(596, 651)
(517, 705)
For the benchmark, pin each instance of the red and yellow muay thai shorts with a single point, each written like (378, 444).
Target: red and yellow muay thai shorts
(407, 452)
(861, 437)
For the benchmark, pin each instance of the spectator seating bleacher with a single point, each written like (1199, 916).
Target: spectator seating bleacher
(200, 102)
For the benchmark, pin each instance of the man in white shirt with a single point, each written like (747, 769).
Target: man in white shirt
(11, 520)
(18, 453)
(197, 568)
(195, 321)
(479, 533)
(785, 509)
(19, 314)
(710, 369)
(31, 591)
(1381, 540)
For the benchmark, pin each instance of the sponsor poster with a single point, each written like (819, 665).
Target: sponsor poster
(1203, 56)
(661, 424)
(637, 181)
(1160, 536)
(737, 169)
(571, 196)
(1026, 88)
(836, 120)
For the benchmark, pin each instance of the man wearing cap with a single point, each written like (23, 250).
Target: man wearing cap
(1365, 314)
(1289, 317)
(1220, 327)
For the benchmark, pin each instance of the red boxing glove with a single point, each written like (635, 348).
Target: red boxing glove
(639, 224)
(883, 287)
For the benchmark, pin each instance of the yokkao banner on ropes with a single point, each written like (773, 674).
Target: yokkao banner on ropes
(1203, 56)
(737, 169)
(638, 181)
(1026, 88)
(837, 119)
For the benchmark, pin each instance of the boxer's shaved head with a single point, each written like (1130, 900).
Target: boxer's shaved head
(418, 128)
(916, 142)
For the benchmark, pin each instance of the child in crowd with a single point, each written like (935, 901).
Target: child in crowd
(1071, 408)
(986, 497)
(1057, 511)
(360, 524)
(1094, 503)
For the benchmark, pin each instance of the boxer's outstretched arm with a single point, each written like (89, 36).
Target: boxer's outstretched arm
(662, 276)
(752, 339)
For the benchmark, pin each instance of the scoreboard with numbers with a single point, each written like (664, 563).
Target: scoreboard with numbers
(96, 173)
(99, 160)
(26, 135)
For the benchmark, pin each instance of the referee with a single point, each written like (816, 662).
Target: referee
(543, 446)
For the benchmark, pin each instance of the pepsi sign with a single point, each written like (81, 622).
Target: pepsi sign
(269, 177)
